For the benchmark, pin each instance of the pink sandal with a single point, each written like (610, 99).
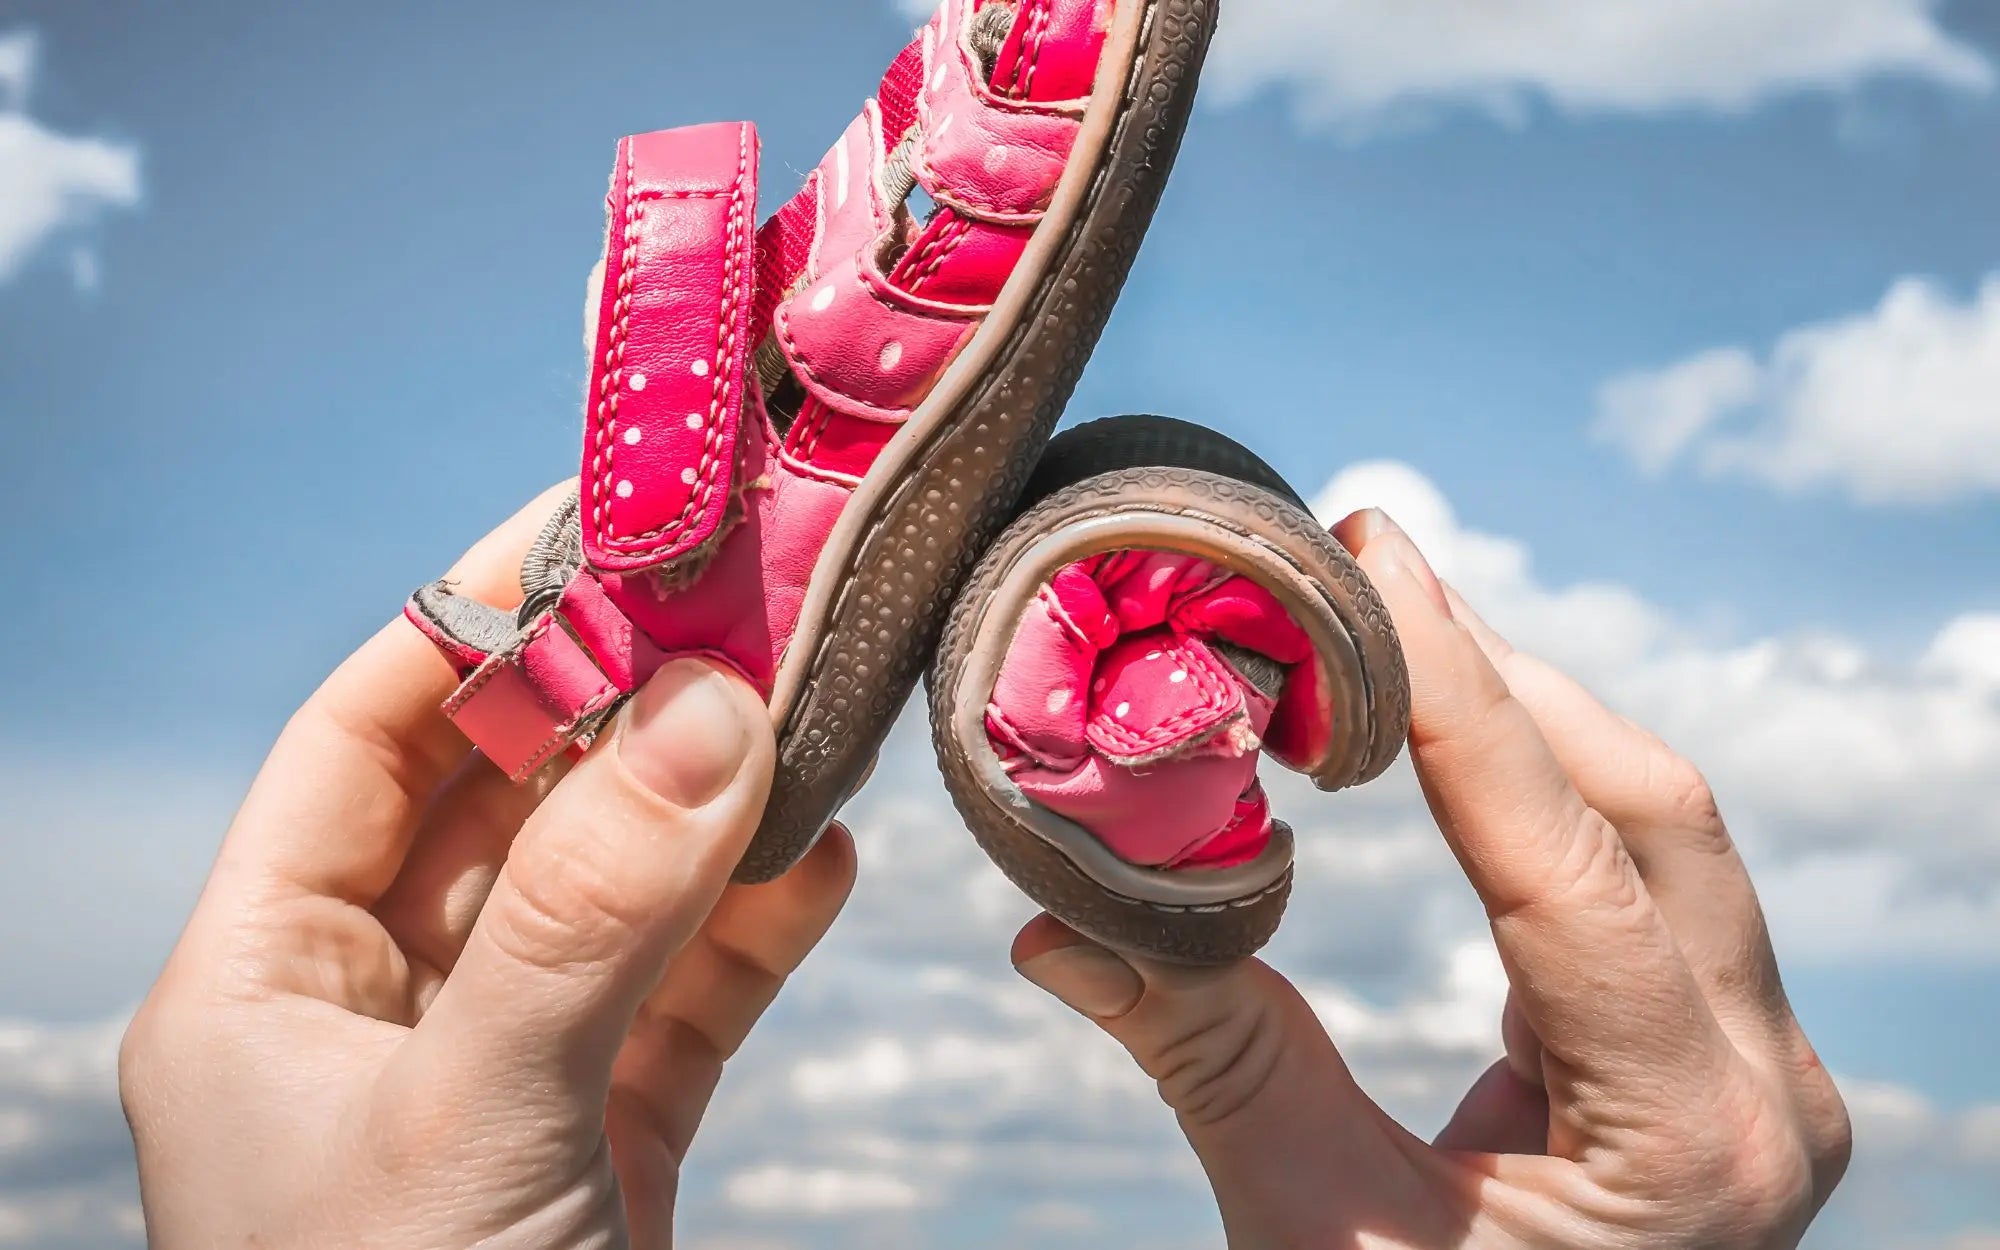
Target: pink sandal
(799, 437)
(1165, 611)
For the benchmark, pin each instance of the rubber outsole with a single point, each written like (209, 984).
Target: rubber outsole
(1215, 930)
(967, 479)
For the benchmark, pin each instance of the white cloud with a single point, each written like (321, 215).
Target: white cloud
(1838, 768)
(1898, 405)
(52, 185)
(17, 68)
(780, 1189)
(1353, 62)
(66, 1172)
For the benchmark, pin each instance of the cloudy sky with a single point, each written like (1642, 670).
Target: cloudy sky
(1670, 327)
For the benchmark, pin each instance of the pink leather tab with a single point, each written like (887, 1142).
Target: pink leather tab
(526, 705)
(666, 385)
(626, 656)
(1161, 694)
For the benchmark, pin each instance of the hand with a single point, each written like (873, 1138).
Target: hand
(1657, 1090)
(420, 1007)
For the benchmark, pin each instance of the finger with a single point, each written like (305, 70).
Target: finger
(1501, 1115)
(332, 811)
(715, 991)
(609, 878)
(1598, 972)
(1507, 1110)
(1524, 1054)
(1667, 817)
(454, 861)
(1260, 1090)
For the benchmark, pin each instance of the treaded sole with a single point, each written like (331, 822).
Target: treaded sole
(1228, 929)
(965, 483)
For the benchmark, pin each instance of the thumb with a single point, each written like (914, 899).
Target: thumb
(1257, 1084)
(606, 882)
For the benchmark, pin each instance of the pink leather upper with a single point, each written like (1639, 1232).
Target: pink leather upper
(1113, 709)
(988, 156)
(867, 349)
(870, 345)
(672, 334)
(701, 527)
(745, 608)
(1053, 50)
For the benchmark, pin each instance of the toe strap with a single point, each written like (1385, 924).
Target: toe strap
(551, 684)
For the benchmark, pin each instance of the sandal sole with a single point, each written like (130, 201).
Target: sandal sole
(1201, 918)
(875, 615)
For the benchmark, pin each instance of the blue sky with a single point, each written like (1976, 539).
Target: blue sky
(289, 308)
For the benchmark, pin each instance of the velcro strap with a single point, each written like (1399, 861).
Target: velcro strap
(553, 688)
(1161, 695)
(667, 368)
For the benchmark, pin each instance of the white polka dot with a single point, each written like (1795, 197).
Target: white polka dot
(1099, 685)
(1154, 655)
(1180, 675)
(892, 355)
(700, 368)
(624, 490)
(632, 436)
(638, 382)
(937, 80)
(995, 157)
(694, 420)
(1161, 576)
(823, 298)
(687, 477)
(1058, 700)
(945, 125)
(1123, 708)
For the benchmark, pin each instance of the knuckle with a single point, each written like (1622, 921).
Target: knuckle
(1594, 871)
(564, 916)
(1831, 1144)
(139, 1056)
(410, 1133)
(1773, 1181)
(1216, 1065)
(1755, 1164)
(1685, 796)
(1828, 1127)
(155, 1050)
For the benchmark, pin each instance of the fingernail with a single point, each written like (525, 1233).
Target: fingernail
(685, 736)
(1390, 552)
(1363, 527)
(1088, 979)
(1375, 523)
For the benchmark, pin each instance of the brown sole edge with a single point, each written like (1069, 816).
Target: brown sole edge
(963, 486)
(1220, 930)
